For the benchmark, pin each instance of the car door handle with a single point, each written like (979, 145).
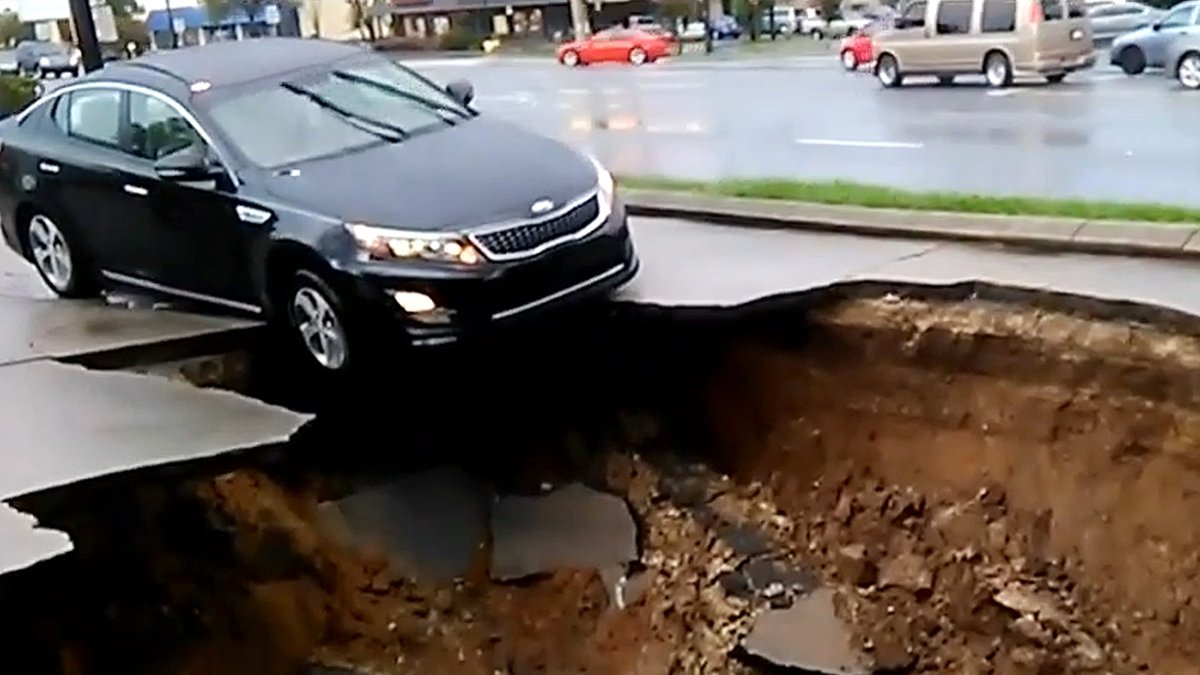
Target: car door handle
(136, 190)
(49, 167)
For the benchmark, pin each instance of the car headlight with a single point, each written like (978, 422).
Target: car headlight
(385, 243)
(604, 180)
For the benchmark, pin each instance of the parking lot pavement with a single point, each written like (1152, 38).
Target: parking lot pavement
(1100, 134)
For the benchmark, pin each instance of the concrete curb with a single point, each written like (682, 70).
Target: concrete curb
(1051, 234)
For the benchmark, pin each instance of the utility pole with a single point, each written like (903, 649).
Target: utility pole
(708, 27)
(579, 19)
(85, 34)
(171, 22)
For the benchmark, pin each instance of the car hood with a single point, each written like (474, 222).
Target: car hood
(476, 172)
(1132, 36)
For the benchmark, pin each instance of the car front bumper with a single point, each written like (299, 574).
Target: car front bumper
(469, 303)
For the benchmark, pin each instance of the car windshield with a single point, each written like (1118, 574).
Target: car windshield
(333, 112)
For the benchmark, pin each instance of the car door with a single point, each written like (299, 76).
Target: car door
(908, 38)
(203, 245)
(81, 171)
(1179, 21)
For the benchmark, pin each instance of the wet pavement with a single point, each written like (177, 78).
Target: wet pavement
(1099, 135)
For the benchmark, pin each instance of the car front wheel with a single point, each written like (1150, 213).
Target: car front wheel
(1133, 61)
(570, 58)
(849, 60)
(888, 71)
(318, 319)
(637, 56)
(1188, 71)
(59, 258)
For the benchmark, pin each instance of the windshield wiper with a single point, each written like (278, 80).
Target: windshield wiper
(415, 98)
(393, 132)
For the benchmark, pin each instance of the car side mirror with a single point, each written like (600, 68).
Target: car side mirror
(461, 91)
(190, 164)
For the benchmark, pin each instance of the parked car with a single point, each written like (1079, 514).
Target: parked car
(1182, 61)
(812, 23)
(1118, 18)
(40, 59)
(847, 25)
(857, 50)
(940, 38)
(1147, 47)
(694, 31)
(782, 20)
(370, 208)
(616, 45)
(726, 27)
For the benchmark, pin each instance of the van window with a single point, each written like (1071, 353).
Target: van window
(954, 17)
(1052, 10)
(1076, 9)
(999, 16)
(914, 15)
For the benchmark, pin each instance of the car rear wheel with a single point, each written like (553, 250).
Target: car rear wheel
(817, 34)
(888, 71)
(59, 258)
(997, 70)
(570, 58)
(1188, 71)
(1133, 60)
(637, 56)
(849, 60)
(318, 319)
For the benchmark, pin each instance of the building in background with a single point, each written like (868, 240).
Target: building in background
(514, 19)
(330, 19)
(194, 25)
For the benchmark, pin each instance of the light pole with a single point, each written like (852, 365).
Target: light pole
(85, 33)
(171, 23)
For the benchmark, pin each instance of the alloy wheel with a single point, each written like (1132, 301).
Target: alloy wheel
(849, 61)
(888, 71)
(51, 253)
(637, 56)
(1189, 71)
(320, 329)
(996, 70)
(571, 59)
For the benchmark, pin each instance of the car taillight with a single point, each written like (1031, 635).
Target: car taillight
(1035, 13)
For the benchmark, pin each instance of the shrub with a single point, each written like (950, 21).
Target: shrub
(459, 39)
(16, 92)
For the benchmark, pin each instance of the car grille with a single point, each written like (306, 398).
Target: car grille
(530, 235)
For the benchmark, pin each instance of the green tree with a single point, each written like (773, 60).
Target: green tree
(11, 28)
(124, 8)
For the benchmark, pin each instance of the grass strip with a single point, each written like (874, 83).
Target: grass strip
(877, 196)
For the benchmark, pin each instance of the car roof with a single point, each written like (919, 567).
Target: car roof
(233, 62)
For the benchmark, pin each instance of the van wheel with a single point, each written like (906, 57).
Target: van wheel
(997, 70)
(1133, 60)
(1188, 71)
(888, 71)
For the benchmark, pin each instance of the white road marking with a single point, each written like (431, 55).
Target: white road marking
(670, 86)
(444, 63)
(574, 92)
(1003, 92)
(893, 145)
(515, 97)
(688, 128)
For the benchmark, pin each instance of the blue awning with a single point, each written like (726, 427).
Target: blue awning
(193, 17)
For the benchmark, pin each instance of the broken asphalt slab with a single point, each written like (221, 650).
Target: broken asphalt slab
(431, 525)
(64, 424)
(1048, 233)
(807, 636)
(572, 527)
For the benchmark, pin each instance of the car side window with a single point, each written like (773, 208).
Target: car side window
(914, 15)
(954, 17)
(94, 115)
(999, 16)
(1180, 16)
(156, 129)
(1052, 10)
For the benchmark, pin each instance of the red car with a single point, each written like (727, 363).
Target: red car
(856, 50)
(616, 45)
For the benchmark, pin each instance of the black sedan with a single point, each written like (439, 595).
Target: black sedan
(317, 184)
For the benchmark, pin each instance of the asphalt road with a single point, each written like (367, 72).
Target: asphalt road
(1098, 135)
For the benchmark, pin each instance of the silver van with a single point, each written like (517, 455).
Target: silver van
(998, 38)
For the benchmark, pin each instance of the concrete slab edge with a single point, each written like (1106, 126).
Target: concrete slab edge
(1063, 235)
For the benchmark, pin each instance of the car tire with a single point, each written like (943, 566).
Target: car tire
(817, 35)
(945, 80)
(570, 58)
(1132, 60)
(997, 70)
(319, 323)
(887, 69)
(1056, 78)
(59, 258)
(637, 56)
(1187, 71)
(849, 60)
